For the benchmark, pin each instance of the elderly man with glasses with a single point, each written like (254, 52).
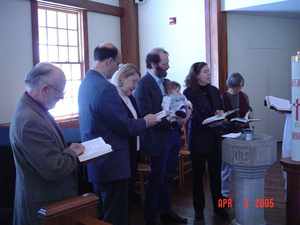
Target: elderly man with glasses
(45, 165)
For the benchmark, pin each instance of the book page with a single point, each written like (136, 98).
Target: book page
(232, 135)
(94, 148)
(279, 104)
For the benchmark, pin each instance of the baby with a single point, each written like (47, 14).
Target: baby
(174, 103)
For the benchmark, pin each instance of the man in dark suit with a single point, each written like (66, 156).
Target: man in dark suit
(149, 95)
(103, 114)
(45, 166)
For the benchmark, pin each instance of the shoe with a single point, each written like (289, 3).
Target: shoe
(172, 217)
(223, 214)
(199, 216)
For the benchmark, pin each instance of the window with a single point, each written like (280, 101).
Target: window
(60, 42)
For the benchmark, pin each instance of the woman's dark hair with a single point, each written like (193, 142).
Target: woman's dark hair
(191, 79)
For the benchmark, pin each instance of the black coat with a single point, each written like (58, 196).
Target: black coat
(206, 100)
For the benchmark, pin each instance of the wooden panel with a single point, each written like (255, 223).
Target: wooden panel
(85, 41)
(129, 33)
(216, 41)
(35, 32)
(91, 6)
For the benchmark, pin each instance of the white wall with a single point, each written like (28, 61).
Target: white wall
(15, 53)
(260, 47)
(102, 28)
(227, 5)
(184, 41)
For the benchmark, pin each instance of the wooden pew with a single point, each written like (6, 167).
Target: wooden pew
(81, 210)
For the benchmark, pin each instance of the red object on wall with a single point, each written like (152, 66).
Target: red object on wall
(172, 20)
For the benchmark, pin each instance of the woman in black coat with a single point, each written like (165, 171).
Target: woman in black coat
(204, 141)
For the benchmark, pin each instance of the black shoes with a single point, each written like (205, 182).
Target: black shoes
(222, 214)
(172, 218)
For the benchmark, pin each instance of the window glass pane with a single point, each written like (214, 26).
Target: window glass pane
(67, 70)
(62, 37)
(74, 106)
(72, 21)
(68, 90)
(59, 109)
(43, 53)
(73, 37)
(53, 53)
(75, 88)
(73, 54)
(61, 20)
(51, 18)
(76, 72)
(42, 36)
(52, 36)
(42, 17)
(63, 54)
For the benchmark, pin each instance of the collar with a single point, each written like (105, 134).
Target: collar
(156, 78)
(36, 102)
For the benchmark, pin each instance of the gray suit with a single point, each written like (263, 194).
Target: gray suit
(45, 168)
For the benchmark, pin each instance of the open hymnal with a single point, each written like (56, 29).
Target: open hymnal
(244, 119)
(232, 135)
(93, 149)
(218, 118)
(160, 115)
(278, 104)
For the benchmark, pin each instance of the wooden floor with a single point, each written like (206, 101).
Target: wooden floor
(182, 201)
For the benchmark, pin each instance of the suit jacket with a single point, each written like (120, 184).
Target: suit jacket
(102, 113)
(149, 98)
(202, 138)
(45, 167)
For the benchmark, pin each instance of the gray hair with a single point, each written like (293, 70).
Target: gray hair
(38, 74)
(235, 80)
(124, 71)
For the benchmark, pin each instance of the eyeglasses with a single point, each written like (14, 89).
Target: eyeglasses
(59, 92)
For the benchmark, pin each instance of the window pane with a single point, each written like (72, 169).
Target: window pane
(62, 37)
(53, 53)
(75, 88)
(68, 89)
(72, 21)
(52, 36)
(67, 70)
(51, 18)
(63, 54)
(73, 38)
(42, 17)
(74, 108)
(76, 72)
(62, 20)
(43, 53)
(59, 109)
(42, 36)
(73, 54)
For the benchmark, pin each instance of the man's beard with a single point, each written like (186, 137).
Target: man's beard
(161, 73)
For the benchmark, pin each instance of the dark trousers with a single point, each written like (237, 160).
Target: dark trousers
(114, 196)
(175, 142)
(157, 196)
(213, 160)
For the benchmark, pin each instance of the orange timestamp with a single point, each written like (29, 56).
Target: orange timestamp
(259, 203)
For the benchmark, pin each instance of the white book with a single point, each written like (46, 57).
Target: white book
(217, 118)
(232, 135)
(93, 149)
(278, 104)
(244, 120)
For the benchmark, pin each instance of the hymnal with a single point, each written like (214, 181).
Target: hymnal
(278, 104)
(218, 118)
(94, 148)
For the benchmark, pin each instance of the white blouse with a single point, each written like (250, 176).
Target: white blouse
(131, 108)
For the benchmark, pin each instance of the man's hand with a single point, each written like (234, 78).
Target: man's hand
(151, 120)
(78, 149)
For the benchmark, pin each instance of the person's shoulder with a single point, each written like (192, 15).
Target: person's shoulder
(213, 88)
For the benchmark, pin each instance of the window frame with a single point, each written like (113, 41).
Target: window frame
(72, 119)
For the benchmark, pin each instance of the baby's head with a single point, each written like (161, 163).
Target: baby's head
(172, 87)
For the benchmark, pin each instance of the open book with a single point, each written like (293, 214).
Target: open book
(93, 149)
(278, 104)
(218, 118)
(232, 135)
(244, 120)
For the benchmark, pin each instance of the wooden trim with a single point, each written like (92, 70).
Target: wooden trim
(35, 32)
(92, 6)
(85, 41)
(129, 33)
(63, 123)
(216, 41)
(4, 125)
